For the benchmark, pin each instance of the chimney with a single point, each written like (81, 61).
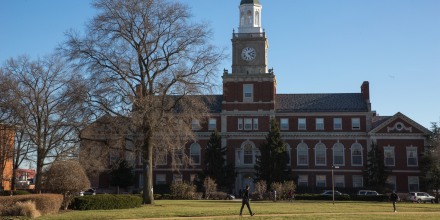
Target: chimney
(365, 90)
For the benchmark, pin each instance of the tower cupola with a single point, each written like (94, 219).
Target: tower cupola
(250, 17)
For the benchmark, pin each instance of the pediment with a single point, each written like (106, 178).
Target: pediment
(399, 124)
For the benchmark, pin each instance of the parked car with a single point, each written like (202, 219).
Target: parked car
(88, 192)
(330, 193)
(367, 193)
(420, 197)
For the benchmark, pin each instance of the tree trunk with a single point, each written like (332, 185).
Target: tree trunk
(147, 168)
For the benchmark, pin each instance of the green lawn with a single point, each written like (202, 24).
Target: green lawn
(200, 209)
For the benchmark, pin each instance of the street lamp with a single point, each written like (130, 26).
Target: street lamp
(333, 182)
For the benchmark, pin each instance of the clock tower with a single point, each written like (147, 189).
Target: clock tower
(251, 85)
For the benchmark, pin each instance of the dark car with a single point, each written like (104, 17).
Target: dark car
(330, 193)
(90, 191)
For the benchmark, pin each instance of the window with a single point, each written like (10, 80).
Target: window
(177, 178)
(302, 124)
(411, 156)
(161, 179)
(302, 154)
(391, 183)
(389, 156)
(319, 124)
(248, 93)
(255, 123)
(195, 153)
(358, 181)
(413, 183)
(161, 157)
(321, 181)
(195, 124)
(337, 123)
(284, 124)
(240, 124)
(356, 123)
(303, 180)
(320, 155)
(248, 154)
(356, 155)
(340, 181)
(338, 154)
(212, 124)
(248, 124)
(178, 156)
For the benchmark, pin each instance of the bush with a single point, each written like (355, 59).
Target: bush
(260, 189)
(183, 190)
(106, 202)
(27, 209)
(210, 187)
(219, 196)
(15, 192)
(45, 203)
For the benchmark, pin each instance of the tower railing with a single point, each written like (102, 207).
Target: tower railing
(248, 35)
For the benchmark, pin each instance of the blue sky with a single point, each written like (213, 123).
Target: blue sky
(315, 46)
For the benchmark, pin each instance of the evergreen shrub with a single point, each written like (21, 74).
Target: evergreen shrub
(106, 202)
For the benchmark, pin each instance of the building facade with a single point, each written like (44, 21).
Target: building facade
(6, 155)
(323, 132)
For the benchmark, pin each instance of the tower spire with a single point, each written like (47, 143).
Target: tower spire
(250, 17)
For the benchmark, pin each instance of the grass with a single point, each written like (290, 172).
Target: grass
(304, 210)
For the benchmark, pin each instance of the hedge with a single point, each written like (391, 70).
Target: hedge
(106, 202)
(45, 203)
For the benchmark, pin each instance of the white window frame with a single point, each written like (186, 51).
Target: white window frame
(195, 151)
(321, 179)
(161, 179)
(195, 124)
(177, 178)
(337, 123)
(413, 180)
(248, 92)
(302, 153)
(212, 124)
(355, 147)
(356, 124)
(319, 124)
(413, 150)
(303, 180)
(284, 124)
(255, 124)
(388, 152)
(358, 181)
(240, 124)
(338, 150)
(302, 124)
(318, 148)
(247, 124)
(248, 153)
(339, 181)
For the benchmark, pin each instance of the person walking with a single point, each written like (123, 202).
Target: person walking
(394, 197)
(290, 195)
(245, 201)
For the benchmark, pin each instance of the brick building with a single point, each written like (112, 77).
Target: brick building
(6, 155)
(320, 130)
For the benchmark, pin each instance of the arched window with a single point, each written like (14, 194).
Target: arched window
(195, 153)
(249, 19)
(302, 153)
(320, 155)
(257, 18)
(356, 154)
(338, 154)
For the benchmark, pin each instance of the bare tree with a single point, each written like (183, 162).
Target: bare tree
(150, 63)
(49, 106)
(6, 154)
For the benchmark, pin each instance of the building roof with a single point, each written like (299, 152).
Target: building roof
(329, 102)
(257, 2)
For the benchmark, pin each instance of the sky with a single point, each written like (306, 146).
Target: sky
(315, 46)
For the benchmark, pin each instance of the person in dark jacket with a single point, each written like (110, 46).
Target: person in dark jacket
(394, 197)
(245, 201)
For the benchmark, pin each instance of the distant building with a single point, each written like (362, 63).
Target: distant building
(320, 130)
(25, 179)
(6, 155)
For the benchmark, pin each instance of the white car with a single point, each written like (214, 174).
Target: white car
(420, 197)
(367, 193)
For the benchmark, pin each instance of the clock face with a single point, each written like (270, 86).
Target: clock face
(248, 53)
